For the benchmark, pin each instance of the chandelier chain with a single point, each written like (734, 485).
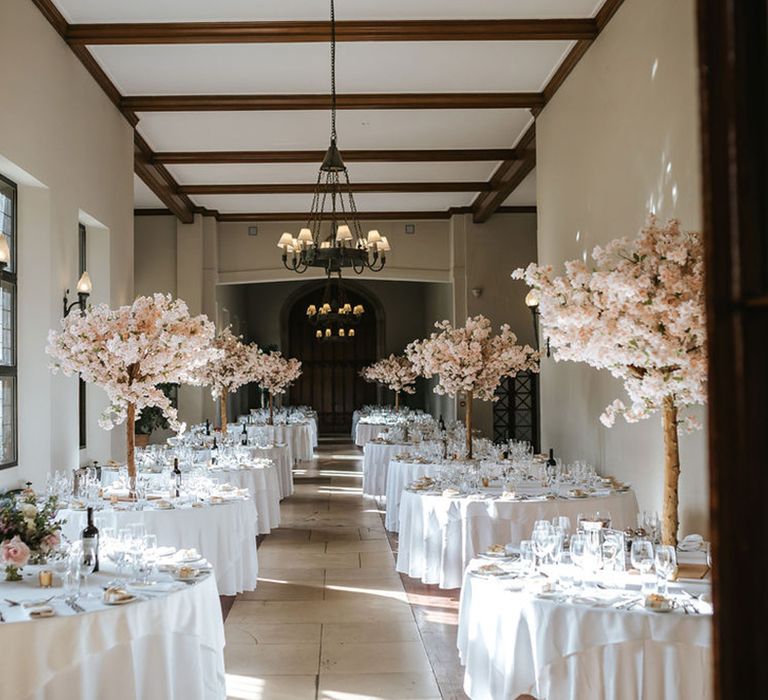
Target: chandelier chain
(333, 72)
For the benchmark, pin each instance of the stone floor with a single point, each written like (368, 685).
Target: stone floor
(330, 619)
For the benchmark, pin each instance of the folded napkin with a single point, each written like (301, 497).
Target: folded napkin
(690, 543)
(37, 611)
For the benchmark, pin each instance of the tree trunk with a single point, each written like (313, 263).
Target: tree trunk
(397, 400)
(224, 420)
(669, 518)
(271, 410)
(469, 424)
(130, 426)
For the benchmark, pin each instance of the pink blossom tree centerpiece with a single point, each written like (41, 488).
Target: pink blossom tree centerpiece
(395, 372)
(131, 350)
(471, 360)
(237, 365)
(639, 313)
(276, 373)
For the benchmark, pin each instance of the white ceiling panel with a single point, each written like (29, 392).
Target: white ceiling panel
(301, 202)
(307, 172)
(262, 10)
(424, 128)
(474, 66)
(143, 197)
(525, 193)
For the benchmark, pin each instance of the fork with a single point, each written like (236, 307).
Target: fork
(12, 603)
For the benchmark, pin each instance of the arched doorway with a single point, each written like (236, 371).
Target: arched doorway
(330, 380)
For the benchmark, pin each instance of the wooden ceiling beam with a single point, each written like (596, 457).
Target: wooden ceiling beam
(359, 31)
(265, 102)
(359, 187)
(369, 156)
(511, 173)
(440, 214)
(160, 181)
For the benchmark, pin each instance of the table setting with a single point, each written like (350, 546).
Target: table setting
(296, 429)
(220, 521)
(106, 613)
(375, 422)
(457, 508)
(601, 613)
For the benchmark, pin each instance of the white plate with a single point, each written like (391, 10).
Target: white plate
(125, 601)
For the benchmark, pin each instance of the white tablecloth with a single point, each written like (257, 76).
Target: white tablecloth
(376, 459)
(264, 486)
(439, 535)
(365, 432)
(224, 534)
(513, 643)
(280, 455)
(168, 647)
(399, 475)
(298, 436)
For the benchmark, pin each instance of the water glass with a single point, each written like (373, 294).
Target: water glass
(641, 556)
(527, 557)
(665, 562)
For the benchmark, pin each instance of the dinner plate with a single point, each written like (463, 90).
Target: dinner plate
(124, 601)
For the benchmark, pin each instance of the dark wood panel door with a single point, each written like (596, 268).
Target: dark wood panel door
(330, 380)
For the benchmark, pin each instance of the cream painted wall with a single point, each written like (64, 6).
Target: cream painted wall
(620, 138)
(422, 257)
(70, 151)
(155, 265)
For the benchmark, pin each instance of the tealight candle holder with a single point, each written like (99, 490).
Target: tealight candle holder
(45, 578)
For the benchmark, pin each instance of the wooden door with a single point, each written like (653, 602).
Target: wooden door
(330, 380)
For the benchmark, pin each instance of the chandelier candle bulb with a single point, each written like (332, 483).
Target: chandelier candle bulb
(384, 245)
(305, 236)
(311, 310)
(327, 332)
(351, 333)
(343, 233)
(319, 334)
(341, 332)
(373, 237)
(286, 240)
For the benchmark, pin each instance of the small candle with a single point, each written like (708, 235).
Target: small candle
(46, 578)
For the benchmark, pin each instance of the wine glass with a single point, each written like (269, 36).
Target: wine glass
(578, 552)
(527, 557)
(542, 533)
(88, 561)
(641, 556)
(665, 562)
(150, 555)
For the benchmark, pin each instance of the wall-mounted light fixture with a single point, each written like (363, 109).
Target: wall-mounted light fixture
(84, 289)
(477, 292)
(532, 302)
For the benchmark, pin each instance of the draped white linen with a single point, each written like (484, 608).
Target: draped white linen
(280, 456)
(399, 475)
(299, 437)
(365, 432)
(512, 643)
(169, 647)
(440, 535)
(262, 481)
(376, 459)
(224, 534)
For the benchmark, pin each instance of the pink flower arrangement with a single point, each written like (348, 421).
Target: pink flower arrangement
(276, 373)
(129, 351)
(470, 358)
(14, 552)
(395, 372)
(639, 313)
(236, 365)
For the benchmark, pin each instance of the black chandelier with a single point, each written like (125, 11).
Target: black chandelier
(335, 318)
(340, 243)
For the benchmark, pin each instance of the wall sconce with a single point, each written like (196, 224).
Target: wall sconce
(532, 302)
(84, 289)
(477, 292)
(5, 252)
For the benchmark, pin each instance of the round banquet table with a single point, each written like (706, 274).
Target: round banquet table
(376, 460)
(263, 484)
(298, 437)
(280, 455)
(440, 535)
(224, 534)
(365, 432)
(399, 475)
(167, 647)
(513, 642)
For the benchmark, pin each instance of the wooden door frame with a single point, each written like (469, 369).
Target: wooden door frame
(733, 62)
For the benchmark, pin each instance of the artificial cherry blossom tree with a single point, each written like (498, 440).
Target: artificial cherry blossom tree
(130, 351)
(237, 365)
(276, 373)
(395, 372)
(639, 313)
(471, 360)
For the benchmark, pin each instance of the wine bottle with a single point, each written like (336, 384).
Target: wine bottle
(551, 461)
(90, 537)
(177, 476)
(244, 435)
(214, 451)
(441, 424)
(207, 427)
